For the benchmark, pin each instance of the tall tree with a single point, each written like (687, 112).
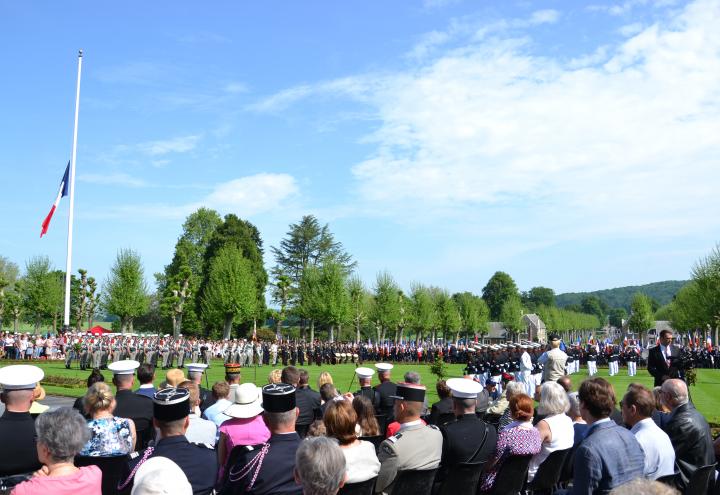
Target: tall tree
(43, 291)
(538, 296)
(93, 299)
(448, 317)
(359, 303)
(473, 313)
(309, 305)
(641, 314)
(386, 307)
(246, 237)
(281, 295)
(616, 317)
(333, 296)
(422, 311)
(179, 284)
(511, 315)
(307, 243)
(500, 288)
(8, 276)
(230, 293)
(593, 305)
(79, 298)
(126, 289)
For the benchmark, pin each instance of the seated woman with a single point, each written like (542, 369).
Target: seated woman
(324, 378)
(556, 427)
(519, 438)
(60, 436)
(512, 388)
(340, 420)
(94, 377)
(327, 393)
(110, 435)
(366, 421)
(579, 425)
(442, 410)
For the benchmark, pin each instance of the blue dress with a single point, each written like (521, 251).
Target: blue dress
(110, 437)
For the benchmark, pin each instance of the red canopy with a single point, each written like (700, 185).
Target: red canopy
(98, 330)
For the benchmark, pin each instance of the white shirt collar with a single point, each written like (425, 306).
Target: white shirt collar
(404, 426)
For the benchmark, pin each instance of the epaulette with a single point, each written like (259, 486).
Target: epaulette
(395, 437)
(434, 427)
(134, 455)
(204, 445)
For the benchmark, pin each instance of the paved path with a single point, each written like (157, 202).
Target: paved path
(53, 401)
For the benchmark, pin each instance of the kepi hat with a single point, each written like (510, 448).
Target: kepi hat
(410, 392)
(278, 397)
(463, 388)
(126, 367)
(364, 372)
(20, 377)
(170, 404)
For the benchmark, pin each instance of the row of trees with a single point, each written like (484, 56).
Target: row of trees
(216, 285)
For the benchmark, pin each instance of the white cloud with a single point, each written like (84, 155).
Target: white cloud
(181, 144)
(502, 141)
(112, 180)
(547, 16)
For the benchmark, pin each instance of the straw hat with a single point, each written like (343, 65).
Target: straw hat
(247, 402)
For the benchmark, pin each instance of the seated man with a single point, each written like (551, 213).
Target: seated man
(637, 408)
(320, 466)
(688, 430)
(171, 410)
(415, 447)
(468, 438)
(268, 469)
(18, 454)
(609, 456)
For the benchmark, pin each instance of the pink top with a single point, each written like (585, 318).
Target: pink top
(242, 431)
(87, 480)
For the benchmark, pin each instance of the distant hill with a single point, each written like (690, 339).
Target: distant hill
(621, 297)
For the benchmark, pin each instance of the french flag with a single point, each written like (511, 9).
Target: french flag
(61, 193)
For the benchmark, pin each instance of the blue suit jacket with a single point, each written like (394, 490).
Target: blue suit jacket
(608, 457)
(147, 392)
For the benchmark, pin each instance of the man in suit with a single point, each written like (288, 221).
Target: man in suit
(415, 446)
(17, 427)
(268, 469)
(468, 438)
(663, 359)
(131, 405)
(171, 407)
(307, 400)
(688, 431)
(386, 390)
(610, 455)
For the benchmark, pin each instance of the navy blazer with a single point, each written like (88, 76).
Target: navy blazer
(608, 457)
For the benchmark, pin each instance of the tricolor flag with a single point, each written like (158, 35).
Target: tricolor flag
(62, 192)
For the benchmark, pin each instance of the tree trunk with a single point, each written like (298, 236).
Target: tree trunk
(16, 323)
(377, 333)
(278, 329)
(332, 333)
(312, 333)
(227, 326)
(357, 333)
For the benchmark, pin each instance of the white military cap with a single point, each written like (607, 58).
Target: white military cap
(384, 366)
(126, 367)
(20, 377)
(463, 388)
(365, 372)
(196, 367)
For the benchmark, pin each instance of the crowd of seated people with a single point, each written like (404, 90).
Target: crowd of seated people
(287, 438)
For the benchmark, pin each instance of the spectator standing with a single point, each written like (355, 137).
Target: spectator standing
(553, 360)
(269, 469)
(200, 430)
(360, 458)
(519, 438)
(662, 359)
(688, 430)
(245, 426)
(637, 407)
(109, 435)
(609, 456)
(195, 373)
(17, 428)
(365, 380)
(415, 447)
(320, 466)
(60, 436)
(556, 428)
(385, 390)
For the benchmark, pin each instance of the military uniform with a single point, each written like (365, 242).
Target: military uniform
(467, 439)
(415, 447)
(386, 402)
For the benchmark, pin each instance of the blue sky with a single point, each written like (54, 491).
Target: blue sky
(573, 145)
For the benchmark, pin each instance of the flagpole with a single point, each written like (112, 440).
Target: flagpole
(68, 264)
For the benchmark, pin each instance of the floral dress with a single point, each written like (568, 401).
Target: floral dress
(517, 439)
(110, 437)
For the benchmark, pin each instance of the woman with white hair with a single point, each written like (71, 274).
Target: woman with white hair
(556, 428)
(60, 436)
(320, 466)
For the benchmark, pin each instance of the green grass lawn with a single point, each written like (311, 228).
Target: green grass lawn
(705, 395)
